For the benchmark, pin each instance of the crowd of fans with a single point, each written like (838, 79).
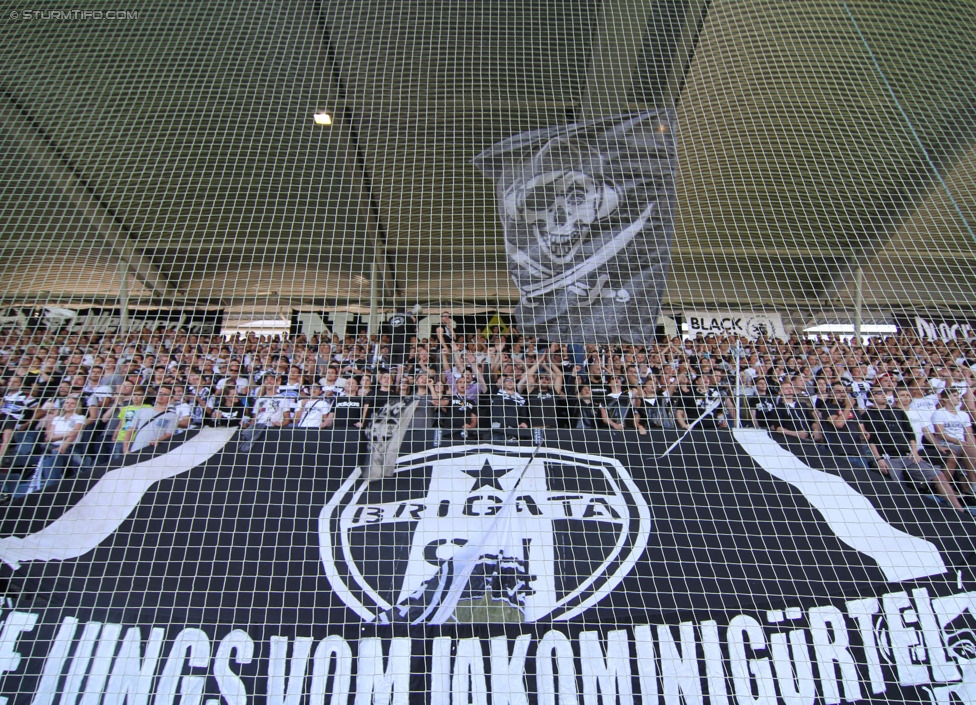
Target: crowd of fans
(899, 404)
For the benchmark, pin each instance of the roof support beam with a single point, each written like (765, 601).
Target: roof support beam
(618, 50)
(384, 263)
(691, 26)
(55, 165)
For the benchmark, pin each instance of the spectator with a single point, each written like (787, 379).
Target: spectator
(460, 415)
(61, 430)
(654, 408)
(227, 408)
(508, 406)
(16, 412)
(762, 405)
(351, 410)
(271, 410)
(152, 426)
(615, 408)
(708, 402)
(636, 418)
(544, 407)
(892, 443)
(953, 429)
(126, 418)
(683, 401)
(842, 426)
(791, 418)
(315, 411)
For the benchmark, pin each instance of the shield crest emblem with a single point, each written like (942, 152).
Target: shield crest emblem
(483, 533)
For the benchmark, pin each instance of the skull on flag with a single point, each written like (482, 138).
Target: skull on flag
(587, 215)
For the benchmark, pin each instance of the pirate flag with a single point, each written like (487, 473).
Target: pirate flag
(587, 210)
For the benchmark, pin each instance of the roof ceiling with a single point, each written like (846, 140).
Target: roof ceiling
(175, 149)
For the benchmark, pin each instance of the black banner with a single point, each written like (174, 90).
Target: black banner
(593, 568)
(946, 328)
(109, 320)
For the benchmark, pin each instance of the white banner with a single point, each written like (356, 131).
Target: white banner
(740, 323)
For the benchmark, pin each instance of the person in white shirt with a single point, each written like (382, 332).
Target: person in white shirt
(61, 430)
(270, 408)
(953, 429)
(315, 411)
(182, 407)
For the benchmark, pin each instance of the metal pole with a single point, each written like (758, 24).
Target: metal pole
(371, 326)
(858, 297)
(124, 297)
(737, 354)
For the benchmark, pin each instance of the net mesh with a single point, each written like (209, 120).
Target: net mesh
(672, 333)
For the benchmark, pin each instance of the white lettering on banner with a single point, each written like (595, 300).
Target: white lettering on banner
(80, 662)
(660, 665)
(14, 625)
(749, 674)
(830, 643)
(793, 667)
(468, 684)
(945, 331)
(55, 661)
(718, 693)
(508, 670)
(110, 322)
(863, 611)
(610, 676)
(680, 673)
(440, 672)
(101, 662)
(132, 673)
(333, 655)
(282, 691)
(555, 656)
(191, 648)
(241, 646)
(374, 684)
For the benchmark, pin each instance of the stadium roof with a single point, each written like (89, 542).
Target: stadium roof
(172, 145)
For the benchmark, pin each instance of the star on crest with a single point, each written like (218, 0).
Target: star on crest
(488, 476)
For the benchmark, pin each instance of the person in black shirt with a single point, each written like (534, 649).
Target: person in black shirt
(508, 406)
(892, 442)
(350, 409)
(17, 410)
(842, 427)
(586, 412)
(636, 418)
(708, 402)
(596, 380)
(791, 418)
(615, 407)
(228, 409)
(546, 408)
(400, 329)
(459, 415)
(683, 402)
(762, 405)
(654, 408)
